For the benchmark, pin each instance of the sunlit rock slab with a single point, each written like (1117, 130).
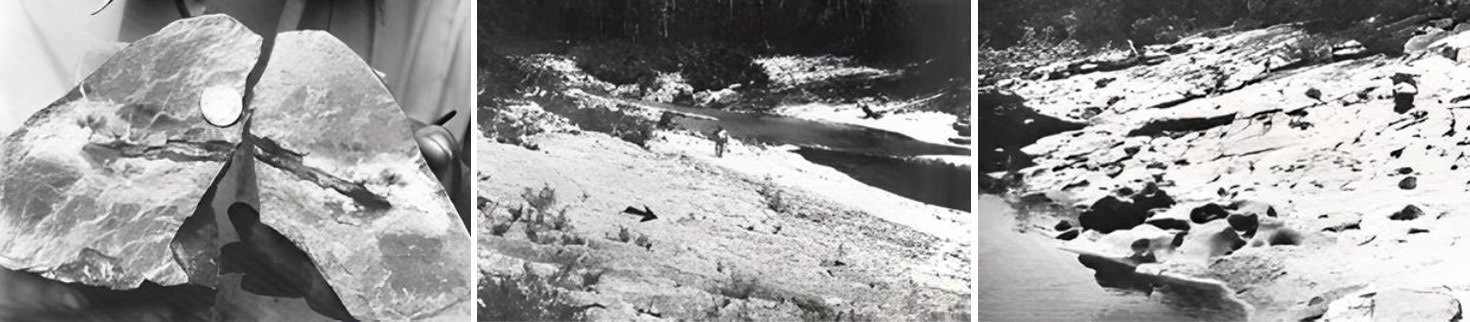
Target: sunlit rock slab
(342, 177)
(94, 187)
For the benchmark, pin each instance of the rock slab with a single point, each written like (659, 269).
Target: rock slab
(94, 187)
(342, 177)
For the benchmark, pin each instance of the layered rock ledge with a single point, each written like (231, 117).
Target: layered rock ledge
(1288, 179)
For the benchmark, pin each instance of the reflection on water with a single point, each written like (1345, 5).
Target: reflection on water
(930, 182)
(776, 130)
(1024, 277)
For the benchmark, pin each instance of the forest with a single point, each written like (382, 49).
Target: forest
(1095, 23)
(712, 41)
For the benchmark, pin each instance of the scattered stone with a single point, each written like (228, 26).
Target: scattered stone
(1063, 225)
(1405, 170)
(1339, 222)
(1070, 234)
(1417, 230)
(1169, 223)
(1244, 223)
(1252, 207)
(1408, 183)
(1109, 214)
(1153, 198)
(1409, 212)
(1207, 212)
(1035, 198)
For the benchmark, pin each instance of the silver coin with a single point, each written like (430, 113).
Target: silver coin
(221, 105)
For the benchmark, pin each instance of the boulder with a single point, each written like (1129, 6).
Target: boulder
(341, 175)
(1408, 183)
(1109, 214)
(1169, 223)
(1338, 222)
(1151, 197)
(94, 187)
(1207, 212)
(1409, 212)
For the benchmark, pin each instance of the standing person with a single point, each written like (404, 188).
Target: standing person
(722, 139)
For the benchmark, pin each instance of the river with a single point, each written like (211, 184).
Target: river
(1024, 277)
(878, 158)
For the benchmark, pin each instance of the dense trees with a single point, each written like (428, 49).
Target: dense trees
(1004, 23)
(881, 30)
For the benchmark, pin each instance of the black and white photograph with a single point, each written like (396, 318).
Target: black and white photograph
(728, 160)
(217, 160)
(1222, 160)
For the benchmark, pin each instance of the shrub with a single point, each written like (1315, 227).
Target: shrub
(560, 221)
(741, 286)
(527, 298)
(643, 241)
(541, 200)
(775, 199)
(706, 65)
(624, 235)
(500, 229)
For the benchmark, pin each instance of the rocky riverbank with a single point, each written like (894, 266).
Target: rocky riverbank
(760, 233)
(1270, 160)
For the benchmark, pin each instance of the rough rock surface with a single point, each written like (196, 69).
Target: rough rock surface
(342, 177)
(1324, 173)
(94, 187)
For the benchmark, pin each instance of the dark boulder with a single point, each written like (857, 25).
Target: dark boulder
(1169, 223)
(1151, 197)
(1109, 214)
(1207, 212)
(1244, 223)
(1409, 212)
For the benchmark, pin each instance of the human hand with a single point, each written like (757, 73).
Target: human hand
(438, 147)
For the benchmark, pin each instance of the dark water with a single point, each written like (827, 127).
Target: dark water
(874, 157)
(776, 129)
(1024, 277)
(926, 181)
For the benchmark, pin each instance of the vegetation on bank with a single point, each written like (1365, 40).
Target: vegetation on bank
(713, 45)
(1100, 23)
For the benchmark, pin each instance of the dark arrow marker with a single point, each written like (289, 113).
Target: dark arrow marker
(645, 213)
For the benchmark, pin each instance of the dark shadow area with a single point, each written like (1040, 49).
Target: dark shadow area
(148, 303)
(777, 130)
(1005, 125)
(930, 182)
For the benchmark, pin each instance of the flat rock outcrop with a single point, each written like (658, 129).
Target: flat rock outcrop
(1321, 183)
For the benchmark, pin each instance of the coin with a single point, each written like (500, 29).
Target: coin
(221, 105)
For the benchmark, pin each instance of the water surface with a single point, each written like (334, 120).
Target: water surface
(1024, 277)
